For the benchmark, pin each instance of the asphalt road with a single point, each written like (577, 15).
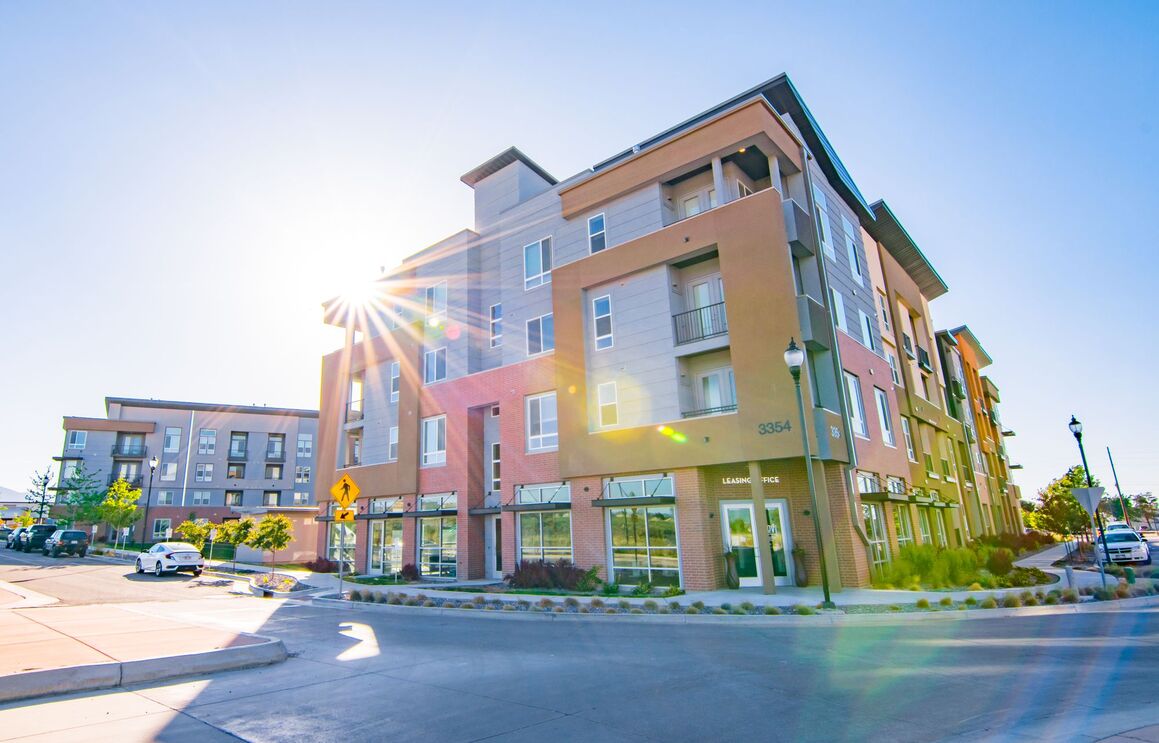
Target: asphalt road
(96, 580)
(374, 676)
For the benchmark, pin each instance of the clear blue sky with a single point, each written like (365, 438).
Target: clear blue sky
(181, 184)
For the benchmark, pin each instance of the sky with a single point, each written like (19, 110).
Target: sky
(182, 184)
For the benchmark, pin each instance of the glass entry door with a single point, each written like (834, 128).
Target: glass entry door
(737, 521)
(385, 549)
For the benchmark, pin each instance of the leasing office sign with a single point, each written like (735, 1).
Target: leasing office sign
(749, 481)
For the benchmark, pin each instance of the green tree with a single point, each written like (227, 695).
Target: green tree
(1058, 511)
(119, 507)
(38, 495)
(273, 533)
(235, 532)
(1028, 506)
(1147, 507)
(80, 497)
(25, 519)
(195, 531)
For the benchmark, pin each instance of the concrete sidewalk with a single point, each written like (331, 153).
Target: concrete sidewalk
(61, 649)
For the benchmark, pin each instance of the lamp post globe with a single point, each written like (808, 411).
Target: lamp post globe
(794, 357)
(148, 497)
(1075, 427)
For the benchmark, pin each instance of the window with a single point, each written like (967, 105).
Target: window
(164, 497)
(602, 321)
(496, 479)
(742, 190)
(853, 248)
(438, 502)
(354, 448)
(643, 545)
(822, 205)
(597, 238)
(905, 525)
(884, 306)
(341, 542)
(866, 331)
(875, 531)
(203, 472)
(168, 471)
(545, 536)
(207, 441)
(537, 264)
(270, 498)
(924, 525)
(273, 472)
(201, 497)
(699, 202)
(77, 439)
(435, 365)
(161, 528)
(435, 440)
(233, 498)
(276, 446)
(237, 444)
(172, 439)
(895, 485)
(301, 498)
(608, 404)
(496, 325)
(438, 546)
(394, 381)
(436, 302)
(392, 445)
(641, 486)
(387, 505)
(305, 445)
(839, 310)
(540, 334)
(235, 471)
(856, 406)
(494, 411)
(867, 482)
(909, 440)
(884, 416)
(542, 430)
(68, 472)
(551, 492)
(893, 372)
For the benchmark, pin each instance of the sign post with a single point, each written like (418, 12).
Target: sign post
(212, 538)
(345, 491)
(1089, 499)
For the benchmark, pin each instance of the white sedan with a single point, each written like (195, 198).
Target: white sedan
(171, 557)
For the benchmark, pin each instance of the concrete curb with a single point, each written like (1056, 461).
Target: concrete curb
(792, 620)
(93, 676)
(29, 599)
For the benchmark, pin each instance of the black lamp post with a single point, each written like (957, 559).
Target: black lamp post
(148, 497)
(1077, 429)
(794, 359)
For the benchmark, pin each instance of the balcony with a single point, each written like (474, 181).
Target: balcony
(799, 229)
(698, 324)
(353, 411)
(924, 359)
(814, 320)
(134, 481)
(957, 389)
(129, 451)
(710, 411)
(238, 454)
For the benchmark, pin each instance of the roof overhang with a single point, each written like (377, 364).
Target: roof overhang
(888, 231)
(965, 335)
(502, 160)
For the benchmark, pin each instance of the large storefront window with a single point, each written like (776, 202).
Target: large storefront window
(644, 545)
(335, 544)
(905, 525)
(545, 536)
(385, 548)
(875, 530)
(438, 546)
(924, 524)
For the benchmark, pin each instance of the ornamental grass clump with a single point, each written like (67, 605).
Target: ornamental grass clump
(805, 610)
(692, 610)
(747, 605)
(1010, 601)
(946, 601)
(922, 603)
(651, 605)
(988, 603)
(772, 610)
(971, 601)
(720, 610)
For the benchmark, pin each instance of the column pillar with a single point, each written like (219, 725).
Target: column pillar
(722, 196)
(761, 529)
(775, 177)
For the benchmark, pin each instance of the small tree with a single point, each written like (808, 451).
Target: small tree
(38, 495)
(273, 533)
(80, 497)
(25, 519)
(119, 508)
(1058, 511)
(235, 532)
(195, 531)
(1147, 506)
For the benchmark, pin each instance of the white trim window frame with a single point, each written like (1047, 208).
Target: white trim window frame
(495, 324)
(165, 524)
(394, 381)
(884, 305)
(207, 441)
(597, 234)
(885, 417)
(839, 310)
(537, 264)
(172, 440)
(822, 207)
(866, 330)
(541, 422)
(301, 474)
(894, 373)
(853, 249)
(602, 322)
(392, 445)
(168, 472)
(496, 470)
(856, 406)
(434, 441)
(203, 472)
(77, 439)
(435, 365)
(607, 401)
(164, 497)
(436, 301)
(542, 330)
(305, 445)
(909, 440)
(201, 497)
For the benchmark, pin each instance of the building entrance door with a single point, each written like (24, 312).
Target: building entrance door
(384, 553)
(736, 518)
(493, 542)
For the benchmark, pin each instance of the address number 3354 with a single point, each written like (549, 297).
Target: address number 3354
(766, 429)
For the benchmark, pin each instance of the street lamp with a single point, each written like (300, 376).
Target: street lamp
(795, 359)
(148, 497)
(1076, 427)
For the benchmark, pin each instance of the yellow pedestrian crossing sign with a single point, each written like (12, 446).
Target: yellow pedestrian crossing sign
(344, 514)
(345, 491)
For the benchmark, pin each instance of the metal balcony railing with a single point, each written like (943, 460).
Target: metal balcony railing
(924, 359)
(238, 453)
(275, 455)
(134, 481)
(908, 345)
(700, 323)
(353, 411)
(130, 451)
(710, 411)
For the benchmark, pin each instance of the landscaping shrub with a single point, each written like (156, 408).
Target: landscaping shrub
(988, 603)
(663, 610)
(509, 607)
(805, 610)
(559, 609)
(321, 565)
(946, 601)
(1020, 577)
(546, 603)
(571, 602)
(726, 606)
(692, 610)
(394, 600)
(597, 603)
(636, 611)
(1011, 601)
(674, 605)
(923, 603)
(561, 574)
(1000, 562)
(1051, 599)
(772, 610)
(429, 603)
(720, 610)
(894, 607)
(672, 592)
(971, 601)
(651, 605)
(584, 610)
(1032, 601)
(588, 581)
(625, 604)
(643, 588)
(747, 605)
(410, 573)
(975, 586)
(610, 589)
(698, 605)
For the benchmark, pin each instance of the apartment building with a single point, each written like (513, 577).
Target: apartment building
(212, 461)
(595, 371)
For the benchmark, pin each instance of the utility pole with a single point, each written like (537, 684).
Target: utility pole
(1122, 500)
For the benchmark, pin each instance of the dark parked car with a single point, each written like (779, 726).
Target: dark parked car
(14, 537)
(71, 541)
(33, 537)
(4, 532)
